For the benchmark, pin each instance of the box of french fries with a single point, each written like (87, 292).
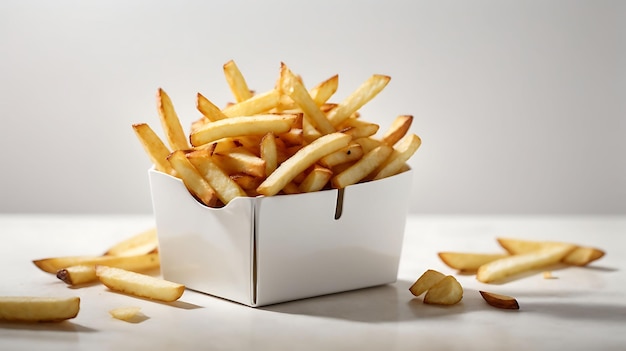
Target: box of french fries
(280, 195)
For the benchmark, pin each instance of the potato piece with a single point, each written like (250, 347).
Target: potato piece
(242, 126)
(426, 281)
(126, 314)
(236, 82)
(38, 308)
(170, 122)
(582, 256)
(138, 284)
(193, 180)
(255, 105)
(467, 262)
(447, 291)
(154, 147)
(397, 130)
(500, 301)
(77, 275)
(362, 95)
(360, 169)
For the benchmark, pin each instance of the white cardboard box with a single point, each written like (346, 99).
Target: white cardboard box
(266, 250)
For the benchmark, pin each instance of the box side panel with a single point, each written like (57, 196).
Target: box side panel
(207, 249)
(303, 251)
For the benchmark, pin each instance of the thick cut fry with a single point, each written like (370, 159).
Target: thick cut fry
(77, 275)
(208, 109)
(581, 256)
(362, 95)
(509, 266)
(500, 301)
(359, 170)
(402, 152)
(269, 153)
(236, 82)
(255, 105)
(323, 91)
(242, 126)
(316, 179)
(192, 178)
(368, 144)
(447, 291)
(397, 130)
(138, 284)
(226, 188)
(38, 308)
(154, 147)
(301, 160)
(138, 244)
(468, 262)
(426, 281)
(291, 86)
(171, 124)
(239, 160)
(134, 263)
(350, 153)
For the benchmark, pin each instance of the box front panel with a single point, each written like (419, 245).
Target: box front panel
(208, 250)
(303, 251)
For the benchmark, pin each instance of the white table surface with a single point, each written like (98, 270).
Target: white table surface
(583, 309)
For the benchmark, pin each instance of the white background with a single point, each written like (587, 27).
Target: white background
(521, 105)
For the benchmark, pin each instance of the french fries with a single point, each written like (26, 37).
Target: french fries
(38, 308)
(286, 140)
(78, 274)
(580, 256)
(138, 284)
(466, 261)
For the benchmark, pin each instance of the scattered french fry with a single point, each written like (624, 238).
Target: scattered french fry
(447, 291)
(139, 244)
(428, 279)
(138, 284)
(580, 256)
(468, 262)
(38, 308)
(77, 275)
(136, 263)
(126, 314)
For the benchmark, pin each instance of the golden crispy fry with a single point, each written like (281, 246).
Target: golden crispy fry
(138, 244)
(226, 188)
(77, 275)
(38, 308)
(500, 301)
(138, 262)
(581, 256)
(239, 160)
(208, 109)
(242, 126)
(426, 281)
(468, 262)
(255, 105)
(316, 179)
(171, 124)
(138, 284)
(236, 82)
(357, 128)
(359, 170)
(402, 152)
(350, 153)
(291, 86)
(301, 160)
(397, 130)
(324, 90)
(363, 94)
(511, 265)
(192, 178)
(154, 147)
(368, 144)
(269, 153)
(447, 291)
